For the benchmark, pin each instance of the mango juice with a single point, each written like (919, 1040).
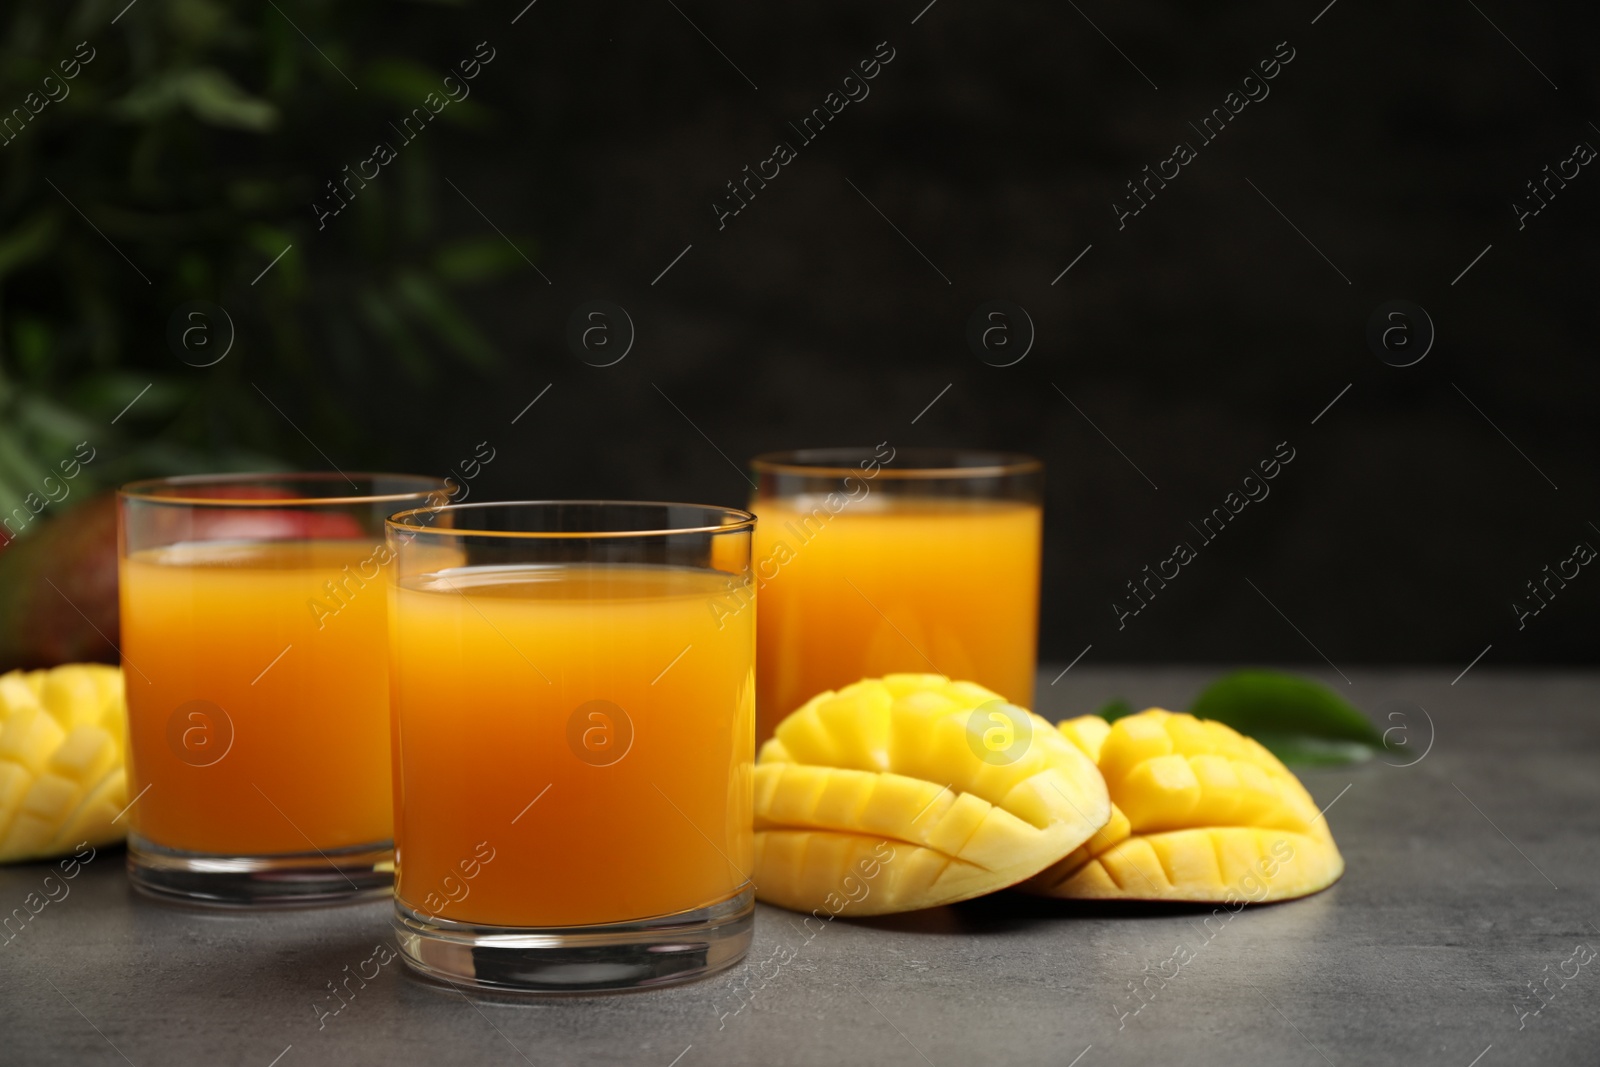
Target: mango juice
(257, 689)
(889, 584)
(574, 742)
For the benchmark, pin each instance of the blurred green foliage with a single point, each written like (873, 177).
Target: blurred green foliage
(195, 138)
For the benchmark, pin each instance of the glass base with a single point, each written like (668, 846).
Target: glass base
(649, 952)
(293, 879)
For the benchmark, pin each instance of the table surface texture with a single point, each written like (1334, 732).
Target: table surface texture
(1472, 858)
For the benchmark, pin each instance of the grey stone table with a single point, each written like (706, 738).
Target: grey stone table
(1471, 874)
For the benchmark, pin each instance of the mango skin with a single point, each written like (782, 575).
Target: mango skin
(882, 797)
(58, 588)
(63, 746)
(1203, 815)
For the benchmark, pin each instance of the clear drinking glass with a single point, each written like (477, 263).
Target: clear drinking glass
(875, 561)
(254, 646)
(574, 703)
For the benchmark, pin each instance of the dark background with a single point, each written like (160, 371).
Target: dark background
(1196, 339)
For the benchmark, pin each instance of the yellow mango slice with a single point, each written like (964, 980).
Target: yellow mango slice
(912, 791)
(29, 737)
(73, 697)
(1201, 813)
(62, 747)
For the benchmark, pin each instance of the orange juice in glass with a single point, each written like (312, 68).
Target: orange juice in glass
(254, 638)
(873, 561)
(574, 741)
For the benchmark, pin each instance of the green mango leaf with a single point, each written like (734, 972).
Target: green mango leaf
(105, 395)
(277, 250)
(54, 427)
(447, 320)
(16, 461)
(215, 98)
(409, 84)
(206, 92)
(1114, 709)
(1297, 719)
(479, 259)
(1316, 751)
(27, 242)
(381, 315)
(32, 344)
(401, 80)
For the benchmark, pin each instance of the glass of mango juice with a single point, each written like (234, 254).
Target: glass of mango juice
(254, 615)
(574, 722)
(873, 561)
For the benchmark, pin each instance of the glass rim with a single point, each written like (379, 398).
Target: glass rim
(146, 490)
(928, 463)
(402, 520)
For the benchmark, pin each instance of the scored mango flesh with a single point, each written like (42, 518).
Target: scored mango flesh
(63, 738)
(1202, 814)
(912, 791)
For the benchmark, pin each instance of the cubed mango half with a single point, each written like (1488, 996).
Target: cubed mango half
(912, 791)
(1202, 814)
(61, 760)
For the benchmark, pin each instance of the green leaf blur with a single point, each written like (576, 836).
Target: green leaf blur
(1299, 720)
(195, 138)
